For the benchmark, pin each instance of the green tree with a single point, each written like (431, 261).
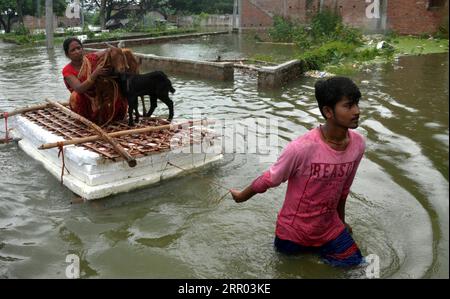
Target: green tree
(7, 13)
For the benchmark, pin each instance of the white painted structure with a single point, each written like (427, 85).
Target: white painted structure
(92, 176)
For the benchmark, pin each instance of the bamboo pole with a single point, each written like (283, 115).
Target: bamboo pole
(122, 133)
(131, 161)
(30, 108)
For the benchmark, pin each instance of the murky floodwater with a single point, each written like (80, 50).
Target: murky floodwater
(398, 206)
(227, 46)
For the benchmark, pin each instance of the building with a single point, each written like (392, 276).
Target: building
(401, 16)
(33, 23)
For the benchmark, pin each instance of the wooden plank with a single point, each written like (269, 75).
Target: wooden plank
(30, 108)
(130, 160)
(126, 132)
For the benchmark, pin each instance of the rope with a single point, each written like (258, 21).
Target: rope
(86, 70)
(5, 115)
(115, 99)
(61, 153)
(203, 178)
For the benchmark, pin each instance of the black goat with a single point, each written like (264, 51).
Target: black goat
(154, 84)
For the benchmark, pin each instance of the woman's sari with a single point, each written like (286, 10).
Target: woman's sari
(101, 108)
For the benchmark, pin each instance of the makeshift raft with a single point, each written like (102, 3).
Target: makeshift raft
(95, 170)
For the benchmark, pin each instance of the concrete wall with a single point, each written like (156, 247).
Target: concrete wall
(150, 40)
(222, 71)
(211, 21)
(275, 77)
(203, 69)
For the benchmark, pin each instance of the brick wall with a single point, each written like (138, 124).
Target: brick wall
(32, 23)
(254, 17)
(402, 16)
(414, 17)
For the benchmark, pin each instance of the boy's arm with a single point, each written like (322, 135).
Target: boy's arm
(278, 173)
(345, 191)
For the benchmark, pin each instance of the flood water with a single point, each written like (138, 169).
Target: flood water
(398, 206)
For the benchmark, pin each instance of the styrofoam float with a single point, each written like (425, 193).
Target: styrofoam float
(92, 176)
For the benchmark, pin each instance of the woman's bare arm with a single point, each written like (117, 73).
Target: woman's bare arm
(79, 87)
(82, 87)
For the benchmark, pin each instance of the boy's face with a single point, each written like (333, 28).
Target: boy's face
(346, 113)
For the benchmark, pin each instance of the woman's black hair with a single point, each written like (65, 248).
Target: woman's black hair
(329, 92)
(67, 42)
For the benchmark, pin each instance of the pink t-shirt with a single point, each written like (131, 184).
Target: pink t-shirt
(318, 178)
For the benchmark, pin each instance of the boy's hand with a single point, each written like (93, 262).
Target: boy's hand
(237, 196)
(350, 230)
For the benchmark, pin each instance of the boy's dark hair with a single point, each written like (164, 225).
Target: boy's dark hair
(67, 42)
(329, 92)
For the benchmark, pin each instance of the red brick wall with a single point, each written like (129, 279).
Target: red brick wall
(414, 17)
(32, 23)
(254, 17)
(403, 16)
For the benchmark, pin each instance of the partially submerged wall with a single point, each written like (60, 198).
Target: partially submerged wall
(151, 40)
(222, 71)
(277, 76)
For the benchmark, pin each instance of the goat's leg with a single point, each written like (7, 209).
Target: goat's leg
(153, 105)
(144, 110)
(166, 100)
(136, 110)
(130, 111)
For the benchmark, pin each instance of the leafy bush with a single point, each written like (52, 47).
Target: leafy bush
(282, 30)
(347, 34)
(199, 18)
(21, 30)
(331, 52)
(326, 26)
(325, 23)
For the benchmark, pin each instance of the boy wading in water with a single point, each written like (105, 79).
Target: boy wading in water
(320, 167)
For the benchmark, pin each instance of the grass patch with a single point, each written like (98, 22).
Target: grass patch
(408, 45)
(327, 43)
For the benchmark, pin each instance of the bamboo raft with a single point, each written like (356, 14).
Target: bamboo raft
(99, 162)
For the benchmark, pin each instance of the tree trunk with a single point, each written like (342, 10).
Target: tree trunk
(8, 24)
(108, 12)
(2, 23)
(19, 6)
(102, 13)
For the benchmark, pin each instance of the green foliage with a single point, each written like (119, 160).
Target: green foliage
(331, 52)
(326, 41)
(21, 30)
(282, 30)
(199, 18)
(338, 52)
(326, 26)
(325, 23)
(347, 34)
